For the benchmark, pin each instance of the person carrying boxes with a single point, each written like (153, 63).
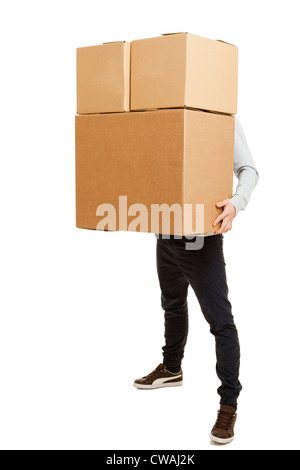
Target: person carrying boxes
(183, 147)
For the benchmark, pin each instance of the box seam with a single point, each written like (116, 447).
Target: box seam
(183, 167)
(127, 75)
(185, 72)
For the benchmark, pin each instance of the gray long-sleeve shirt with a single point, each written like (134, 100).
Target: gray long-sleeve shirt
(244, 169)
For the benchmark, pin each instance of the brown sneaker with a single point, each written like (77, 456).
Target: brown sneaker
(223, 430)
(159, 378)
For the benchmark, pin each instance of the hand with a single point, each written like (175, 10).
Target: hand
(227, 216)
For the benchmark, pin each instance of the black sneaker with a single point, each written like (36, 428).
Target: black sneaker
(159, 378)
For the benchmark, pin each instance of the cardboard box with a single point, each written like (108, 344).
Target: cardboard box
(103, 78)
(183, 69)
(172, 156)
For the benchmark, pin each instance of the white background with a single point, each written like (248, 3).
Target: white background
(80, 310)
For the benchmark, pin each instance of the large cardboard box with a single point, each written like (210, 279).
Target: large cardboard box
(171, 156)
(182, 69)
(103, 78)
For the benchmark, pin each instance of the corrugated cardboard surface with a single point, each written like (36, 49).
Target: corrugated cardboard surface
(183, 69)
(158, 72)
(168, 156)
(208, 161)
(103, 78)
(212, 75)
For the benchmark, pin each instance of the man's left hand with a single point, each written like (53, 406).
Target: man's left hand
(227, 216)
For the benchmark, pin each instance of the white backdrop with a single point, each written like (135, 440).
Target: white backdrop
(80, 310)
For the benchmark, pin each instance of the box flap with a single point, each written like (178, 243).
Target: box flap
(170, 34)
(224, 42)
(113, 42)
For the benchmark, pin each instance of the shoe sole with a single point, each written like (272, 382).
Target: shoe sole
(218, 440)
(152, 387)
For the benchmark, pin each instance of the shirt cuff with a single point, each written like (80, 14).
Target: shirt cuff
(237, 201)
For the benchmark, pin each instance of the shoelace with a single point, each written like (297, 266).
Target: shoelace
(224, 420)
(149, 376)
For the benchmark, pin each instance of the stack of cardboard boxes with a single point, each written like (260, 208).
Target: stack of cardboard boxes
(155, 126)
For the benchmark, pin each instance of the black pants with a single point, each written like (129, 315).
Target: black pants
(205, 271)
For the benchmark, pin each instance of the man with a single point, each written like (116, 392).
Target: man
(204, 270)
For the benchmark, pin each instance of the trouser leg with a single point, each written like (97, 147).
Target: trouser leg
(205, 271)
(174, 288)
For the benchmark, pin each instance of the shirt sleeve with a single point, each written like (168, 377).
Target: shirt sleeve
(244, 170)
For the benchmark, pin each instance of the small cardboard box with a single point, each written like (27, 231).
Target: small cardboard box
(103, 78)
(170, 156)
(182, 69)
